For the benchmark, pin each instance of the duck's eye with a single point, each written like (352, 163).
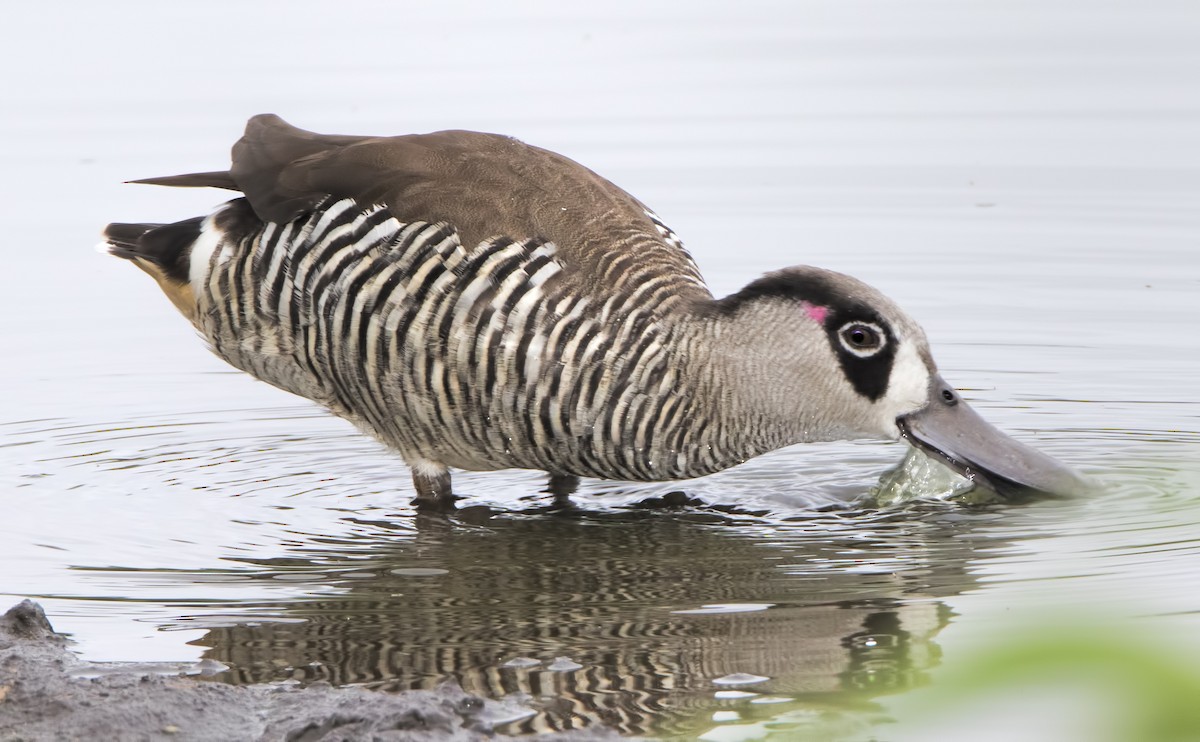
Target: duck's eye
(862, 338)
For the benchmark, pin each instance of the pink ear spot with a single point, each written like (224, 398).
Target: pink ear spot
(816, 312)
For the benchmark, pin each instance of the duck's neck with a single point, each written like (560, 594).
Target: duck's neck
(741, 393)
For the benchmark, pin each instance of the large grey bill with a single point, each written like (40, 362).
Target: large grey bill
(950, 430)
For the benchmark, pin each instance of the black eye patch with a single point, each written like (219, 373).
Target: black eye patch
(865, 347)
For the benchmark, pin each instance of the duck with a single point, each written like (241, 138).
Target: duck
(477, 303)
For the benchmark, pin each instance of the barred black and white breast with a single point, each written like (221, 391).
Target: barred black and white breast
(478, 303)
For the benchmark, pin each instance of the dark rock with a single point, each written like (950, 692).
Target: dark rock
(40, 699)
(26, 620)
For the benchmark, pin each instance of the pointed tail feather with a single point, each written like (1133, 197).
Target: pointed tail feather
(215, 179)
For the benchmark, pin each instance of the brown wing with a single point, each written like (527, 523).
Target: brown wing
(484, 185)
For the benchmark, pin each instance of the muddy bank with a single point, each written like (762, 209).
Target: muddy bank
(47, 693)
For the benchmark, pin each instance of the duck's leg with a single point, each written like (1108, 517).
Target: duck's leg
(562, 486)
(432, 482)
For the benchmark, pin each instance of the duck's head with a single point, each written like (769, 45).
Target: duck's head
(863, 369)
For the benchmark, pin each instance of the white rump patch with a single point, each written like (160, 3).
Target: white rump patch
(202, 249)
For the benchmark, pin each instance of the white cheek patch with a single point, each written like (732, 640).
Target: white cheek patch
(908, 387)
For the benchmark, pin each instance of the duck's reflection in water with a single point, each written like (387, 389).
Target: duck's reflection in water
(657, 611)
